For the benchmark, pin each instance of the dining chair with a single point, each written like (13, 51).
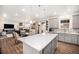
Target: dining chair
(16, 36)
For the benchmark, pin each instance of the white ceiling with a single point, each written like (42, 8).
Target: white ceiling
(35, 11)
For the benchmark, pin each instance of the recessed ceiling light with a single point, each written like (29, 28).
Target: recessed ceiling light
(54, 13)
(31, 22)
(37, 15)
(23, 9)
(69, 10)
(39, 23)
(4, 15)
(16, 14)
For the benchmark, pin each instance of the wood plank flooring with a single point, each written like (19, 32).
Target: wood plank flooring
(8, 46)
(65, 48)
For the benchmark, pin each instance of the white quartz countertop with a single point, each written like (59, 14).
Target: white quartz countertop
(38, 41)
(75, 33)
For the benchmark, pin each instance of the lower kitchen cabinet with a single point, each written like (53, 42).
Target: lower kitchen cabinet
(54, 44)
(61, 37)
(69, 38)
(48, 49)
(73, 39)
(78, 39)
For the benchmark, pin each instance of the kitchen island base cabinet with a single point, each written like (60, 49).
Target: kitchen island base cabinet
(50, 48)
(29, 50)
(44, 45)
(47, 49)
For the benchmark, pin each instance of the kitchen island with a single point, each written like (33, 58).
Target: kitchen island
(40, 43)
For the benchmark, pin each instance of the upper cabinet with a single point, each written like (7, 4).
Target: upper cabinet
(75, 22)
(53, 22)
(65, 23)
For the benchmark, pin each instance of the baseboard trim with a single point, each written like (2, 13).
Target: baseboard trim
(68, 43)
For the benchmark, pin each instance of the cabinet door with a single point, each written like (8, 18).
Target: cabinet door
(54, 44)
(70, 38)
(61, 37)
(78, 39)
(48, 49)
(73, 39)
(67, 38)
(75, 21)
(53, 23)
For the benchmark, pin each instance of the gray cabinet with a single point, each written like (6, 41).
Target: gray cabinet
(54, 44)
(53, 23)
(70, 38)
(73, 39)
(67, 38)
(75, 19)
(78, 39)
(50, 48)
(61, 37)
(47, 49)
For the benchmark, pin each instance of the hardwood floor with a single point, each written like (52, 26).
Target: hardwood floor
(8, 46)
(65, 48)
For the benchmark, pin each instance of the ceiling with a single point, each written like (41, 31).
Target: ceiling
(23, 12)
